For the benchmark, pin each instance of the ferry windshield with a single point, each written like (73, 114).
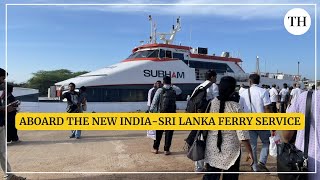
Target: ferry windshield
(145, 54)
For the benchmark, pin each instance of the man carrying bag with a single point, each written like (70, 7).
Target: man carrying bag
(198, 103)
(290, 157)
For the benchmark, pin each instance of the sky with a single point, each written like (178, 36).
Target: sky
(92, 37)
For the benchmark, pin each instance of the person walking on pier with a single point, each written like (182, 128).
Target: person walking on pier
(256, 99)
(294, 94)
(73, 107)
(198, 103)
(223, 150)
(152, 92)
(274, 98)
(300, 106)
(3, 108)
(12, 135)
(164, 101)
(284, 98)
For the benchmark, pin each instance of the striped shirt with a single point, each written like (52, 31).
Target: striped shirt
(314, 140)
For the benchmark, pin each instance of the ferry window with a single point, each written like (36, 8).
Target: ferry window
(94, 94)
(141, 95)
(168, 54)
(112, 95)
(143, 54)
(116, 95)
(132, 95)
(178, 56)
(197, 74)
(132, 55)
(129, 94)
(220, 68)
(201, 74)
(154, 54)
(162, 53)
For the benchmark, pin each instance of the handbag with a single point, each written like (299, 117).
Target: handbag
(151, 134)
(274, 140)
(197, 150)
(291, 159)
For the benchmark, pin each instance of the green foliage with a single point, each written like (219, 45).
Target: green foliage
(42, 80)
(23, 85)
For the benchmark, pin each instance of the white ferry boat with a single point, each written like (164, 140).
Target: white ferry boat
(128, 81)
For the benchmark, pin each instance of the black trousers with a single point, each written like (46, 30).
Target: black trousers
(283, 106)
(12, 130)
(225, 176)
(274, 107)
(167, 142)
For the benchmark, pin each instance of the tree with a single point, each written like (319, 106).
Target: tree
(42, 80)
(23, 85)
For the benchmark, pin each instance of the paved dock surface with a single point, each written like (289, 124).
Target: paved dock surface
(106, 151)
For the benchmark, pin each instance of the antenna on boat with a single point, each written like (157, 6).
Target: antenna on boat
(153, 33)
(172, 34)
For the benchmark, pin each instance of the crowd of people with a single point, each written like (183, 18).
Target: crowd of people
(222, 149)
(281, 99)
(76, 103)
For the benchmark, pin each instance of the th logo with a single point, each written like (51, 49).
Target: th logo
(297, 21)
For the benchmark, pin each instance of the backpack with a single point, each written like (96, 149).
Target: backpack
(72, 106)
(167, 102)
(198, 102)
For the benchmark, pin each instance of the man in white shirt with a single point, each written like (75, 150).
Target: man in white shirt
(152, 92)
(268, 88)
(274, 98)
(212, 92)
(299, 87)
(256, 99)
(296, 91)
(284, 98)
(241, 88)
